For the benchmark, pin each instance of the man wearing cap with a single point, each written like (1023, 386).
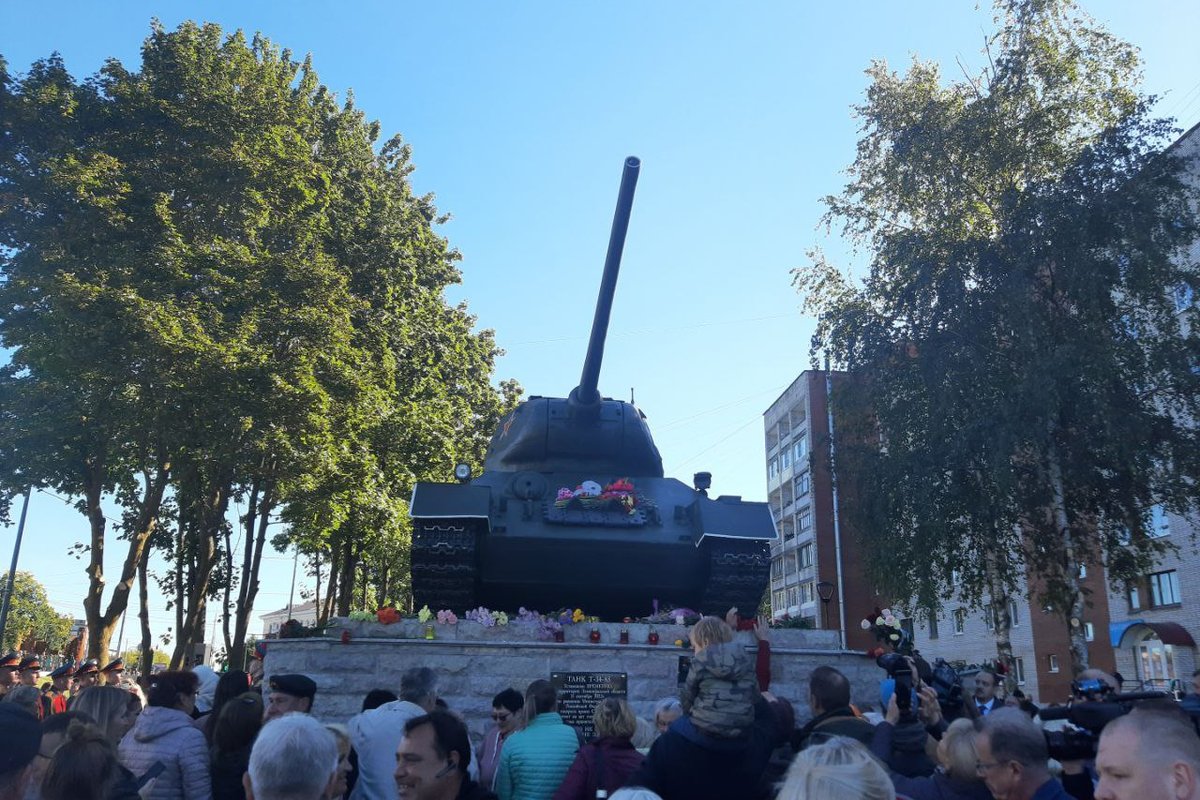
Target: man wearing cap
(288, 694)
(60, 681)
(112, 673)
(30, 670)
(20, 738)
(86, 675)
(8, 672)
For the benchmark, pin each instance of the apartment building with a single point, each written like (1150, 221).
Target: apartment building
(816, 570)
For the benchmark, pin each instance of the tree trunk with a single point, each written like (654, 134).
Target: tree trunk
(208, 530)
(346, 581)
(262, 502)
(146, 657)
(1079, 648)
(102, 624)
(331, 589)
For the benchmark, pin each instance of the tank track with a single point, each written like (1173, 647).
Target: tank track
(444, 569)
(738, 572)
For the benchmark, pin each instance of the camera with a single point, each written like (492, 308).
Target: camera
(1095, 705)
(900, 670)
(948, 684)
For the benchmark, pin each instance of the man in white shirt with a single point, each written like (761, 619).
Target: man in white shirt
(375, 734)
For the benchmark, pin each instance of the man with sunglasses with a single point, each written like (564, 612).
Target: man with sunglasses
(506, 712)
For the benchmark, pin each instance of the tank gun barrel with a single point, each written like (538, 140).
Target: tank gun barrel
(587, 395)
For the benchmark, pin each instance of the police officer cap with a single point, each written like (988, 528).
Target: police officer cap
(116, 665)
(65, 671)
(295, 685)
(20, 737)
(89, 667)
(30, 662)
(9, 660)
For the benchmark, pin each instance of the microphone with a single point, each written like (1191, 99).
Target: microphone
(446, 770)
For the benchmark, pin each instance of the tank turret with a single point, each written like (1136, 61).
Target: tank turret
(573, 509)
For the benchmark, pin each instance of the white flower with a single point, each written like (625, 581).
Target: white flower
(866, 624)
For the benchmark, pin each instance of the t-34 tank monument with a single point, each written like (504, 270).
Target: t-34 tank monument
(573, 509)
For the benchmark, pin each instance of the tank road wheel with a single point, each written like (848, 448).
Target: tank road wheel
(738, 571)
(444, 572)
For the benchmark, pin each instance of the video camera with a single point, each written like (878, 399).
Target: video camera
(948, 684)
(1100, 705)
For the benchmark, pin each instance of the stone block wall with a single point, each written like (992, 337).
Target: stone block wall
(474, 663)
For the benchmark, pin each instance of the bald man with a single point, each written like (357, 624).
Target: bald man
(1147, 754)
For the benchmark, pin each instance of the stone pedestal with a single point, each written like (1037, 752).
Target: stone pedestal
(475, 663)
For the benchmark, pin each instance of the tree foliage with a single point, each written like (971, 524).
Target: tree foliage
(32, 624)
(1025, 390)
(221, 292)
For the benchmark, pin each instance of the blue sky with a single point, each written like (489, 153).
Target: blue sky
(520, 115)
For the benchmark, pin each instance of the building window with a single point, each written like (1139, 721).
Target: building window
(933, 629)
(1135, 598)
(1053, 659)
(785, 459)
(778, 601)
(807, 593)
(1089, 631)
(1013, 619)
(1082, 571)
(801, 449)
(906, 625)
(793, 596)
(1159, 525)
(789, 564)
(776, 568)
(773, 469)
(1164, 589)
(804, 520)
(804, 556)
(801, 484)
(989, 617)
(1019, 670)
(960, 621)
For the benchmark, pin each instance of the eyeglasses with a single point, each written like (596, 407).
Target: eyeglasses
(984, 766)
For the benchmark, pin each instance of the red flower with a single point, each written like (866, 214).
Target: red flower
(387, 615)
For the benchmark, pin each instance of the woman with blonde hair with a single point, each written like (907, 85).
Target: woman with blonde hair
(113, 708)
(608, 762)
(956, 777)
(839, 769)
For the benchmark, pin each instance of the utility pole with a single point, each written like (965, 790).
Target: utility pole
(12, 570)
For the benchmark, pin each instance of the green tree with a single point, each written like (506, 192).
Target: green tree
(220, 288)
(1025, 389)
(32, 624)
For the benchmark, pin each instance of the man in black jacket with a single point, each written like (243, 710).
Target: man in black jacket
(829, 700)
(432, 760)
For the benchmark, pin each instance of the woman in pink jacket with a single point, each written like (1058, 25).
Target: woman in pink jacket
(506, 713)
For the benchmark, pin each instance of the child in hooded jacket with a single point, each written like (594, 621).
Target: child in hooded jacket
(721, 685)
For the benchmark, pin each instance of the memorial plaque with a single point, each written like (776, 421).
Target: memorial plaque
(579, 692)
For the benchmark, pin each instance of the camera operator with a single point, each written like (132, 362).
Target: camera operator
(1149, 753)
(903, 739)
(1079, 776)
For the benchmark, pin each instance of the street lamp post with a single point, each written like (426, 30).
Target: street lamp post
(825, 592)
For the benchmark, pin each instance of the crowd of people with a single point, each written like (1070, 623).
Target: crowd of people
(193, 735)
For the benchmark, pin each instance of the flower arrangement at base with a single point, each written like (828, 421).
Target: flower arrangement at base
(424, 615)
(361, 616)
(488, 619)
(447, 617)
(787, 621)
(620, 495)
(388, 615)
(674, 616)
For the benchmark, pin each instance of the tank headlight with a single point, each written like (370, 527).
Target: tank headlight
(463, 472)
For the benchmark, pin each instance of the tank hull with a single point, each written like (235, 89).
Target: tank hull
(531, 548)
